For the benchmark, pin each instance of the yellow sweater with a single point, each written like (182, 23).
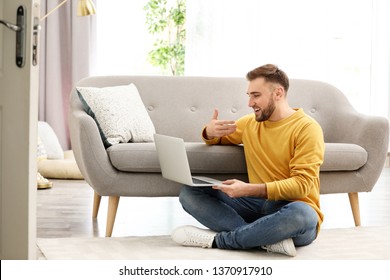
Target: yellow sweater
(286, 155)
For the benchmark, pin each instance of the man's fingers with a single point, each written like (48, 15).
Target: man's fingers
(229, 182)
(226, 126)
(215, 114)
(219, 128)
(225, 122)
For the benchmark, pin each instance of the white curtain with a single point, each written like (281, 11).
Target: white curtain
(345, 43)
(66, 56)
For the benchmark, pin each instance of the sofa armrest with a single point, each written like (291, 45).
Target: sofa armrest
(89, 151)
(369, 132)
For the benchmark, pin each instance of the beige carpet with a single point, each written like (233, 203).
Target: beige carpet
(347, 244)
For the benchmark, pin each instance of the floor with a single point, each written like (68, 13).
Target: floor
(66, 211)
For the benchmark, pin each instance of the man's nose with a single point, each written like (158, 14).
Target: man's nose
(251, 103)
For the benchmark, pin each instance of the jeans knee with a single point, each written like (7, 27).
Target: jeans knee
(187, 197)
(183, 194)
(304, 215)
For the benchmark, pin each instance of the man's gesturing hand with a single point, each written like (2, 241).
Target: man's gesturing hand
(218, 128)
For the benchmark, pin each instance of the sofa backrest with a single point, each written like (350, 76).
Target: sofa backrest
(327, 105)
(181, 106)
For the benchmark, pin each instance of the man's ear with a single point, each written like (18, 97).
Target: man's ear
(280, 93)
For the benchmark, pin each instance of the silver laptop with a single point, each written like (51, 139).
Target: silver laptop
(174, 164)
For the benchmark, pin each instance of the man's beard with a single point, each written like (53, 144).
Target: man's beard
(267, 112)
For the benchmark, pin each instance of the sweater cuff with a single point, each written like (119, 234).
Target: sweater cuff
(209, 142)
(271, 190)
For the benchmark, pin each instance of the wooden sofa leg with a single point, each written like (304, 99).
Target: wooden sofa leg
(113, 202)
(354, 201)
(96, 204)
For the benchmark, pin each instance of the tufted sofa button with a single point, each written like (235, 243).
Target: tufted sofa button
(313, 110)
(150, 108)
(234, 110)
(193, 109)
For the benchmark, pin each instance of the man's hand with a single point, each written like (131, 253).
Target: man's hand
(236, 188)
(218, 128)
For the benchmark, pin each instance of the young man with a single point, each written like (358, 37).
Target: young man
(284, 148)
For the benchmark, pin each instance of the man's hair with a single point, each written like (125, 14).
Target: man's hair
(271, 73)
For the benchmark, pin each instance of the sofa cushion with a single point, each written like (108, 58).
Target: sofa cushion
(142, 157)
(343, 157)
(119, 113)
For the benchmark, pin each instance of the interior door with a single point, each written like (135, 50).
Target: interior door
(18, 127)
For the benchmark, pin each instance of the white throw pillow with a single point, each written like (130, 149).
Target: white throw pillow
(41, 152)
(119, 113)
(50, 141)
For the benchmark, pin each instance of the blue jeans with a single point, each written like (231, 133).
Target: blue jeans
(250, 222)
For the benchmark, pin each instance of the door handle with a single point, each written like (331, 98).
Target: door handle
(11, 26)
(20, 29)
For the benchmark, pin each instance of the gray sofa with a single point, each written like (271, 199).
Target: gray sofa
(356, 144)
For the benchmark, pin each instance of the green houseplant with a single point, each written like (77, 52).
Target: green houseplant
(165, 19)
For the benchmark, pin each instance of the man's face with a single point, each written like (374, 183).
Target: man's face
(261, 99)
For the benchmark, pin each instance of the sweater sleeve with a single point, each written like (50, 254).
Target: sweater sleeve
(304, 167)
